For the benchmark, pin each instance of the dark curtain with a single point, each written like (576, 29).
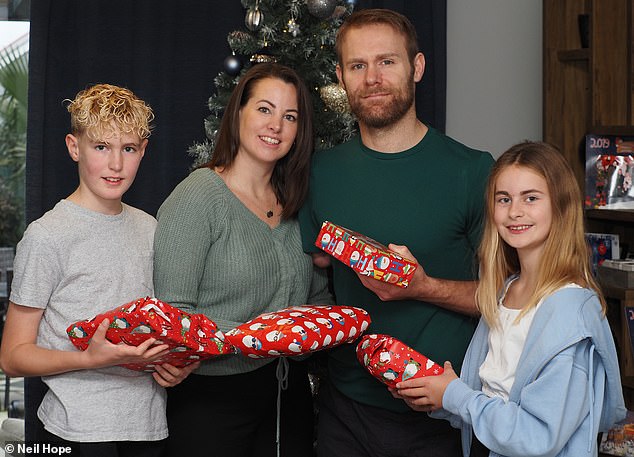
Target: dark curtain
(168, 53)
(430, 19)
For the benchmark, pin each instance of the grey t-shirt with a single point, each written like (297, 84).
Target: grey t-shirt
(75, 263)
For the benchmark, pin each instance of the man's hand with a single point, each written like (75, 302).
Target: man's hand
(458, 296)
(389, 292)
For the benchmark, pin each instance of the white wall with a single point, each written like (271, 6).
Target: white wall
(14, 34)
(494, 72)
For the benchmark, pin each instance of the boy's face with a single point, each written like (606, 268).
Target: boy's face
(107, 168)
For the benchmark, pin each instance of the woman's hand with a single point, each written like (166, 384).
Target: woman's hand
(321, 259)
(168, 375)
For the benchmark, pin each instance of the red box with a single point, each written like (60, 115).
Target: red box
(365, 255)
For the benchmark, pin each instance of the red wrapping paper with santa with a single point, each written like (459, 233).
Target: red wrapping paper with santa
(190, 337)
(298, 330)
(392, 361)
(365, 255)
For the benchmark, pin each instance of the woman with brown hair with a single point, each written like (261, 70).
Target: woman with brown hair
(228, 246)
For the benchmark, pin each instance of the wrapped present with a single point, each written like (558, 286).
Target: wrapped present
(365, 255)
(190, 337)
(298, 330)
(609, 169)
(391, 361)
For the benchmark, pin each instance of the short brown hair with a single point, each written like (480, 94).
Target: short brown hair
(96, 108)
(374, 16)
(290, 175)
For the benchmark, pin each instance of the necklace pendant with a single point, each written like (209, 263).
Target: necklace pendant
(269, 214)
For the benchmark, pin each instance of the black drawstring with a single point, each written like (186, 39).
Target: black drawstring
(281, 373)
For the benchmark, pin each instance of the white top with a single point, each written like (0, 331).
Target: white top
(506, 343)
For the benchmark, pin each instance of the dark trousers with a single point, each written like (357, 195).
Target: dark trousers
(237, 415)
(478, 449)
(347, 428)
(105, 449)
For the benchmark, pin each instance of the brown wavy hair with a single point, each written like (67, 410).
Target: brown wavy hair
(291, 173)
(104, 110)
(566, 257)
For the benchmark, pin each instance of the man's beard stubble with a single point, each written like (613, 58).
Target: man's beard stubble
(385, 114)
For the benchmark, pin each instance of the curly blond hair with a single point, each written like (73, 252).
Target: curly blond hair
(104, 110)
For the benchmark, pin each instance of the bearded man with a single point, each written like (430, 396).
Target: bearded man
(403, 182)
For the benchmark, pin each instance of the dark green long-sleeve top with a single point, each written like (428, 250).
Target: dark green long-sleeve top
(430, 198)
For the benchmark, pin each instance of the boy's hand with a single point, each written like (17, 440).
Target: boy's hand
(168, 375)
(102, 353)
(425, 394)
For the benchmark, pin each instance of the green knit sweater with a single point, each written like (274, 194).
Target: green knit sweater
(212, 255)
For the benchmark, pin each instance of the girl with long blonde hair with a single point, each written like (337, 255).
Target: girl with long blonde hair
(541, 374)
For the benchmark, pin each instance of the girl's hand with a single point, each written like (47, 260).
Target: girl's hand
(425, 394)
(102, 353)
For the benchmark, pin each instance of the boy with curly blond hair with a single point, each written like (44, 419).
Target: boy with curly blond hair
(91, 252)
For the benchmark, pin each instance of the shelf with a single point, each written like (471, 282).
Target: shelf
(618, 293)
(614, 215)
(570, 55)
(628, 381)
(613, 130)
(591, 90)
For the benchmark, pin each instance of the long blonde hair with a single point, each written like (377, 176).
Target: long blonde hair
(565, 258)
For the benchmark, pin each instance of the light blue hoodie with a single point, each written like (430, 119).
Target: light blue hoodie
(567, 386)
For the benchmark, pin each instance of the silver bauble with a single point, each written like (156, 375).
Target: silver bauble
(254, 19)
(232, 65)
(321, 9)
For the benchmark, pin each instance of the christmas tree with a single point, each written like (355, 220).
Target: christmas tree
(297, 33)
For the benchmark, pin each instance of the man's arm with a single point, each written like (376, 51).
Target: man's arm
(458, 296)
